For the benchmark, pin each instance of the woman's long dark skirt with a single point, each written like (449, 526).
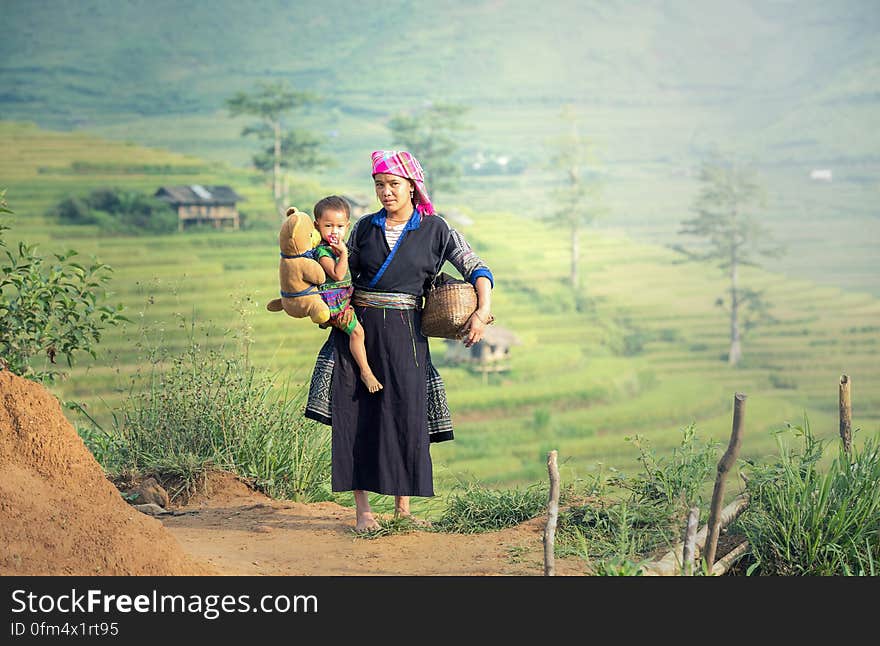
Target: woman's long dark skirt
(380, 440)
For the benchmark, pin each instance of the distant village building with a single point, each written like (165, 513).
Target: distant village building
(200, 204)
(821, 174)
(491, 354)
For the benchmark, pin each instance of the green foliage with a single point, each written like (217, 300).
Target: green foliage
(201, 409)
(541, 418)
(299, 149)
(782, 381)
(617, 566)
(50, 308)
(392, 526)
(4, 206)
(640, 514)
(727, 207)
(115, 210)
(270, 102)
(578, 195)
(433, 134)
(473, 508)
(805, 520)
(731, 237)
(675, 479)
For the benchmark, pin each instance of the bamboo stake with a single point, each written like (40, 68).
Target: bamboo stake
(727, 461)
(552, 515)
(845, 414)
(726, 561)
(690, 542)
(670, 563)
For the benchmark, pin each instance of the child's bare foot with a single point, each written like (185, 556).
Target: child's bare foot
(371, 383)
(366, 523)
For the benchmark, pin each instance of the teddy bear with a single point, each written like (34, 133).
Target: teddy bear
(299, 273)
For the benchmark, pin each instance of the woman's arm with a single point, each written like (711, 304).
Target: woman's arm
(478, 321)
(476, 272)
(463, 258)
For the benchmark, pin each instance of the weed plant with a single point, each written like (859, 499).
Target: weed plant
(473, 508)
(803, 521)
(636, 516)
(205, 409)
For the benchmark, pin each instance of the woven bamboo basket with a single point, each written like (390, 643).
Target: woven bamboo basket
(447, 309)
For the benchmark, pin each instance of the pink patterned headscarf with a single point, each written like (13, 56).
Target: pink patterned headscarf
(403, 164)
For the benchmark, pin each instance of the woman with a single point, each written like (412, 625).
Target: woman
(381, 440)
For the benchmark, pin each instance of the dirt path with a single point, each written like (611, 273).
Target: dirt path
(240, 532)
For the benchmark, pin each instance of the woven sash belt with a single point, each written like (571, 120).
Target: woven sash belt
(385, 300)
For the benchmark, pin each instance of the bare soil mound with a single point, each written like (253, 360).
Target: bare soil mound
(58, 512)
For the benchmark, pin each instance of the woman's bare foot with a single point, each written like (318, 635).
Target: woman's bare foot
(371, 382)
(420, 522)
(366, 522)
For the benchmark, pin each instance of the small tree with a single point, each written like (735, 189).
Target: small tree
(270, 102)
(116, 210)
(432, 135)
(49, 309)
(726, 206)
(578, 199)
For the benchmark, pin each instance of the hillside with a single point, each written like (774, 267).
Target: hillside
(788, 86)
(776, 77)
(644, 356)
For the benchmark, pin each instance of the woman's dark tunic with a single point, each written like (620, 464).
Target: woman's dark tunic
(381, 440)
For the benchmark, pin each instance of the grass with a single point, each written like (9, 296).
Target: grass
(642, 360)
(472, 508)
(199, 410)
(806, 518)
(639, 515)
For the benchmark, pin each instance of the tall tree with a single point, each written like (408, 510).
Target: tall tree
(271, 102)
(726, 210)
(432, 135)
(578, 199)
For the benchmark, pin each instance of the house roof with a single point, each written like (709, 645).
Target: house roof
(198, 194)
(497, 335)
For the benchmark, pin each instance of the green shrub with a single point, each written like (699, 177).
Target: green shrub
(472, 508)
(50, 309)
(803, 521)
(117, 211)
(782, 382)
(640, 514)
(202, 410)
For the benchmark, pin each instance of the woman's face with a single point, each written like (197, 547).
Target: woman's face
(393, 191)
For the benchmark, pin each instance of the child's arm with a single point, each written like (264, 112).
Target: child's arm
(336, 269)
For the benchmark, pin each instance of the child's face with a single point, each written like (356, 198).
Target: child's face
(332, 225)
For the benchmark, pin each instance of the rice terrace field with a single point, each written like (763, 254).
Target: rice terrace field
(642, 355)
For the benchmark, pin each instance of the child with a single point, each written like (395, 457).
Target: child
(331, 220)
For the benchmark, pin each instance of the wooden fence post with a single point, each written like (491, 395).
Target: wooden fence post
(727, 461)
(552, 515)
(690, 542)
(845, 414)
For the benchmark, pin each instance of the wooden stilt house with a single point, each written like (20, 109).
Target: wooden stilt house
(491, 354)
(202, 204)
